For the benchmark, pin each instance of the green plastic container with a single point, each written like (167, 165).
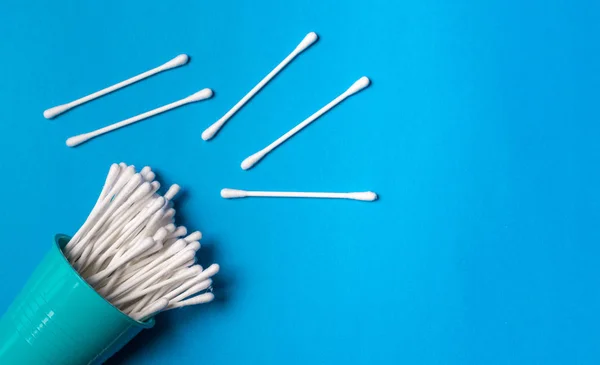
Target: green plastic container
(58, 319)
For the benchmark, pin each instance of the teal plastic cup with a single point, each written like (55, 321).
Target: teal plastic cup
(58, 319)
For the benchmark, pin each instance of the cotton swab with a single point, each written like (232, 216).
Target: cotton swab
(356, 87)
(180, 231)
(131, 252)
(173, 190)
(194, 236)
(200, 299)
(308, 40)
(200, 95)
(152, 310)
(175, 62)
(195, 289)
(234, 193)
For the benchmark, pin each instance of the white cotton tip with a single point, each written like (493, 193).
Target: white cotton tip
(195, 288)
(160, 234)
(252, 160)
(112, 175)
(358, 85)
(77, 140)
(364, 196)
(130, 187)
(157, 204)
(194, 270)
(308, 40)
(188, 254)
(199, 299)
(194, 236)
(155, 186)
(176, 247)
(53, 112)
(158, 245)
(210, 271)
(201, 282)
(180, 60)
(169, 213)
(145, 170)
(211, 131)
(144, 189)
(205, 284)
(152, 310)
(195, 245)
(232, 193)
(189, 262)
(179, 232)
(114, 170)
(159, 305)
(170, 228)
(142, 246)
(148, 174)
(173, 190)
(200, 95)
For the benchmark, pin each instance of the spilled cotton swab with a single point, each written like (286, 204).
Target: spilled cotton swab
(180, 60)
(356, 87)
(234, 193)
(200, 95)
(308, 40)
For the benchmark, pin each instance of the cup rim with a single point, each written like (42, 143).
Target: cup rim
(60, 241)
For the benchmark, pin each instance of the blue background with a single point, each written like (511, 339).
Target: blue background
(479, 132)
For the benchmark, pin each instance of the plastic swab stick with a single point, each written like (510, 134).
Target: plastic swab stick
(153, 273)
(111, 178)
(234, 193)
(141, 247)
(200, 95)
(356, 87)
(130, 185)
(308, 40)
(151, 262)
(175, 62)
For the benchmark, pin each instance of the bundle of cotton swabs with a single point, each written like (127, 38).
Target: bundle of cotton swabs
(130, 251)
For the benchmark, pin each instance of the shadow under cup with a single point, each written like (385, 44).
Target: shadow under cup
(58, 319)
